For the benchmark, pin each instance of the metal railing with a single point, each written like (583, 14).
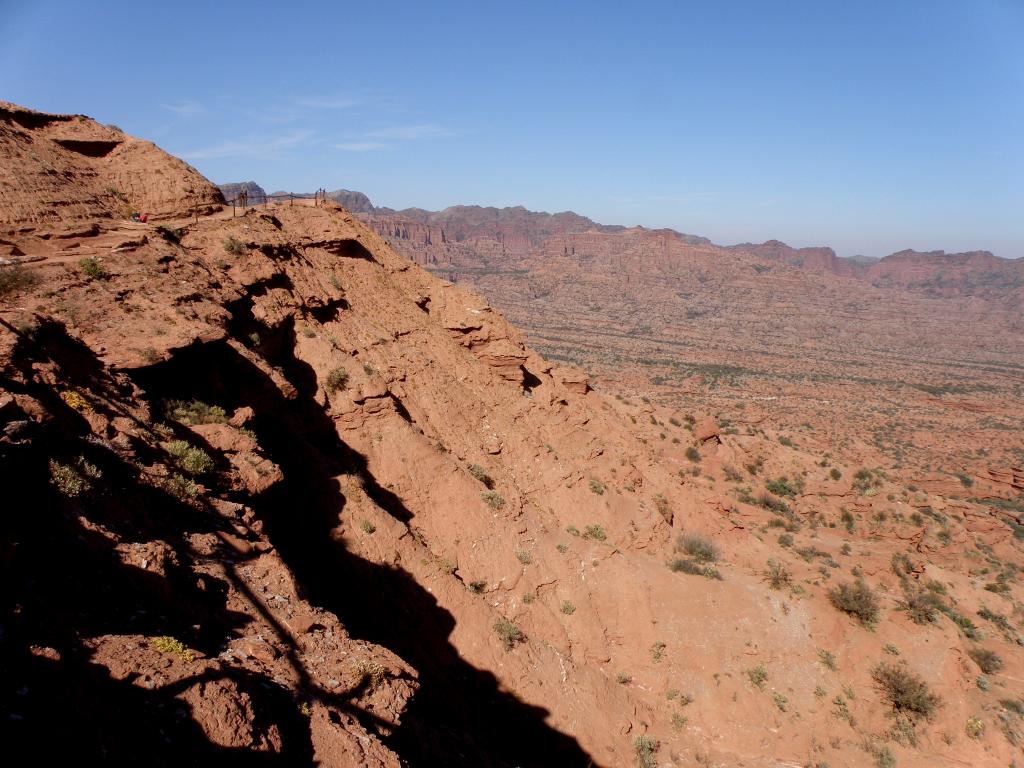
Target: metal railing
(243, 201)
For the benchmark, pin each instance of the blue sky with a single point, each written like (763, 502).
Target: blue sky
(868, 126)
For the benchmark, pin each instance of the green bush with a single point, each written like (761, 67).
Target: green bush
(758, 676)
(337, 379)
(16, 279)
(692, 568)
(595, 532)
(234, 247)
(908, 694)
(835, 474)
(493, 499)
(699, 548)
(858, 600)
(922, 606)
(508, 633)
(778, 576)
(188, 458)
(988, 661)
(645, 748)
(92, 269)
(781, 486)
(480, 474)
(194, 412)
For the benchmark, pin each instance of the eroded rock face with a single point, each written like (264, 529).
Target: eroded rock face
(70, 169)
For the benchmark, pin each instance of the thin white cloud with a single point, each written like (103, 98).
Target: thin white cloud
(325, 102)
(185, 108)
(410, 132)
(360, 146)
(252, 146)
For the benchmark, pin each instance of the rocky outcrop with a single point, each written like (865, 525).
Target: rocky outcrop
(71, 169)
(256, 195)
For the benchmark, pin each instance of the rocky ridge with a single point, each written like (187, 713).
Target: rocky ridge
(311, 502)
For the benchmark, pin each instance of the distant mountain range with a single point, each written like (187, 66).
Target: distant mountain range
(474, 237)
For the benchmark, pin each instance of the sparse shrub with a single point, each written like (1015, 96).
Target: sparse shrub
(681, 565)
(785, 540)
(982, 682)
(848, 520)
(16, 279)
(597, 486)
(194, 461)
(75, 400)
(369, 672)
(922, 606)
(562, 548)
(477, 587)
(528, 598)
(778, 576)
(595, 532)
(842, 710)
(780, 701)
(337, 379)
(891, 649)
(693, 454)
(996, 618)
(174, 647)
(480, 474)
(180, 487)
(568, 608)
(194, 412)
(74, 480)
(645, 748)
(623, 678)
(169, 234)
(827, 659)
(508, 633)
(92, 269)
(974, 727)
(988, 661)
(758, 676)
(772, 503)
(1013, 705)
(781, 486)
(657, 651)
(367, 527)
(856, 599)
(701, 549)
(234, 247)
(908, 694)
(731, 474)
(678, 721)
(493, 499)
(882, 755)
(524, 557)
(835, 474)
(783, 440)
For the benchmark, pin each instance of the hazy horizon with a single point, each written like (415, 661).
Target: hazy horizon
(868, 129)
